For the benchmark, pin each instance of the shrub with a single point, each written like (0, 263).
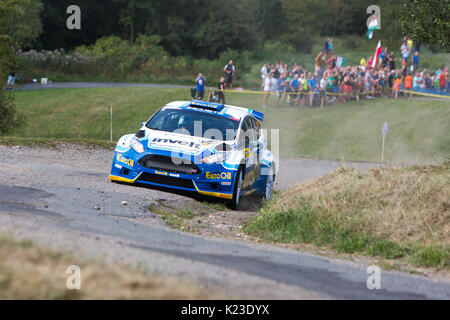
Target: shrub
(8, 114)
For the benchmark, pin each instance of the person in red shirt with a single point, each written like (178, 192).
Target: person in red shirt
(369, 63)
(441, 80)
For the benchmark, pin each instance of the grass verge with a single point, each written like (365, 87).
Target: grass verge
(401, 214)
(28, 271)
(175, 217)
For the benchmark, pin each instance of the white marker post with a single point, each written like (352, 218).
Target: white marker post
(384, 132)
(111, 117)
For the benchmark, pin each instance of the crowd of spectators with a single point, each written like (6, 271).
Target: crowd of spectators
(332, 81)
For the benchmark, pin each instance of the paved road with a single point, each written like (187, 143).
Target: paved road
(62, 197)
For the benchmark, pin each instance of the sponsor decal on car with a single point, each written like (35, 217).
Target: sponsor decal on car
(179, 144)
(219, 175)
(163, 173)
(122, 159)
(251, 176)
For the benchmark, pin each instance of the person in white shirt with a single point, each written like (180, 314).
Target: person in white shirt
(267, 88)
(264, 72)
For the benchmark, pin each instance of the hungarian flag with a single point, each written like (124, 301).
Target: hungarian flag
(373, 25)
(377, 54)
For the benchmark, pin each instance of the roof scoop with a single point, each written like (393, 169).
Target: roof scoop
(206, 105)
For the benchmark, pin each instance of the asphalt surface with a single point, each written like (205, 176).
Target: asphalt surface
(62, 197)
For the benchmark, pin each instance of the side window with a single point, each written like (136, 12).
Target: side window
(244, 129)
(251, 129)
(257, 128)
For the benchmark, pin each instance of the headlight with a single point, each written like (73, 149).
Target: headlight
(136, 146)
(215, 158)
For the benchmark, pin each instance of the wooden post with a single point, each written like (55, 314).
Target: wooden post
(209, 95)
(321, 103)
(111, 121)
(382, 148)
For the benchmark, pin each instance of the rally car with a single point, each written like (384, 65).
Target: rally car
(209, 148)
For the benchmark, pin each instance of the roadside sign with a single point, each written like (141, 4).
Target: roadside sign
(384, 132)
(384, 129)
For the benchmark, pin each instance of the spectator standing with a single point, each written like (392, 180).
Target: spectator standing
(391, 59)
(267, 88)
(319, 63)
(442, 79)
(221, 92)
(417, 81)
(363, 62)
(381, 57)
(311, 88)
(369, 63)
(281, 68)
(264, 71)
(280, 88)
(200, 89)
(408, 83)
(11, 80)
(229, 74)
(294, 85)
(396, 86)
(405, 50)
(326, 47)
(404, 67)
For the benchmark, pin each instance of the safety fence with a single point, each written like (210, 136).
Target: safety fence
(324, 93)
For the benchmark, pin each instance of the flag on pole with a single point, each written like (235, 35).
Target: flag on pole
(377, 53)
(373, 25)
(341, 62)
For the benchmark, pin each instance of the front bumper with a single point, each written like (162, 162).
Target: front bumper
(214, 179)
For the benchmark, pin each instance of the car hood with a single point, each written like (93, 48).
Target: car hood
(181, 143)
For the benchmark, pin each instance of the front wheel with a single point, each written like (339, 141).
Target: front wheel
(234, 202)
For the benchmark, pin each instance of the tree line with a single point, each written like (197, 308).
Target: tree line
(205, 28)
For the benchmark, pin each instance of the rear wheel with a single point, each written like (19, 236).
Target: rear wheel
(234, 202)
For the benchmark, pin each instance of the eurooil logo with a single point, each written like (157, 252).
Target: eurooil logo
(222, 175)
(122, 159)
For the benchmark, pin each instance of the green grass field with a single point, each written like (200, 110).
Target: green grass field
(418, 129)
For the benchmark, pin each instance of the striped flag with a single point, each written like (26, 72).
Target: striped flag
(373, 25)
(377, 54)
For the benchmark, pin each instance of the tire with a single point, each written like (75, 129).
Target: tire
(268, 187)
(234, 202)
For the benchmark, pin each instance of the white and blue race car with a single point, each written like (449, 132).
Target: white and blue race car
(208, 148)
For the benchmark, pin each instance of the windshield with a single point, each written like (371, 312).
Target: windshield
(194, 123)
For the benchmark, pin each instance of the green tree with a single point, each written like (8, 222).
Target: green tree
(270, 19)
(427, 21)
(230, 26)
(19, 26)
(132, 12)
(20, 20)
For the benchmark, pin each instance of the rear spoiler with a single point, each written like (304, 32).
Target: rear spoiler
(257, 115)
